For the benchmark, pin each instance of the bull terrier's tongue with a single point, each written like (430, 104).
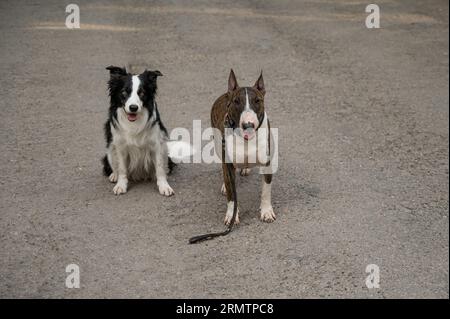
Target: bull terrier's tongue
(248, 133)
(131, 117)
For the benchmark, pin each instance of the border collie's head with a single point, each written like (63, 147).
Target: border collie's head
(132, 93)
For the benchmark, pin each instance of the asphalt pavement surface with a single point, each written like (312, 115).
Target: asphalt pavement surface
(362, 116)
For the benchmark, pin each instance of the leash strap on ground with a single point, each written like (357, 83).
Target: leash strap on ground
(197, 239)
(230, 167)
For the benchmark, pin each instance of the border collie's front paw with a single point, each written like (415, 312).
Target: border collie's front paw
(120, 188)
(113, 178)
(166, 190)
(245, 171)
(267, 214)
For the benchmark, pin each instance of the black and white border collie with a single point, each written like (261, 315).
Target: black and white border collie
(135, 136)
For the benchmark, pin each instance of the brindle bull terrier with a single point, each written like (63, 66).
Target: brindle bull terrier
(242, 109)
(242, 134)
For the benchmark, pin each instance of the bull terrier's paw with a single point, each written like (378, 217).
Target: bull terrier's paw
(223, 190)
(113, 177)
(120, 188)
(165, 189)
(229, 216)
(245, 171)
(267, 214)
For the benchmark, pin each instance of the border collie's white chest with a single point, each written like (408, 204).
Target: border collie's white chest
(139, 134)
(138, 140)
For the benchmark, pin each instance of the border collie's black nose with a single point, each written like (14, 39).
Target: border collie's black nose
(248, 125)
(134, 108)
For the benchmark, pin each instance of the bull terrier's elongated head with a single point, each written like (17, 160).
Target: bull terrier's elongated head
(246, 106)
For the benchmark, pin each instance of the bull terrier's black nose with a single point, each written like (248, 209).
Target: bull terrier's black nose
(248, 125)
(134, 108)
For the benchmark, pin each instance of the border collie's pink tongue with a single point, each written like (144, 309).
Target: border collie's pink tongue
(131, 117)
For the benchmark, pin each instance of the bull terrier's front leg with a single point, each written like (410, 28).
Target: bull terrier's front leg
(223, 190)
(228, 183)
(267, 214)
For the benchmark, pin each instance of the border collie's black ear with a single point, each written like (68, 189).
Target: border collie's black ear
(115, 70)
(153, 74)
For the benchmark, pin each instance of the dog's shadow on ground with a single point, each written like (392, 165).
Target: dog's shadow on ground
(285, 195)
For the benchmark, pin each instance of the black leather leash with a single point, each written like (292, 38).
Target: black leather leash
(230, 167)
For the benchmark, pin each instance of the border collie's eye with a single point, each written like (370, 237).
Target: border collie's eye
(258, 100)
(124, 93)
(236, 101)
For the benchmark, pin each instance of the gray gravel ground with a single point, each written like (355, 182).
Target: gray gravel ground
(363, 124)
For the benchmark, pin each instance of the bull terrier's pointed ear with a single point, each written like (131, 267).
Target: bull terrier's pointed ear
(232, 83)
(259, 84)
(115, 70)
